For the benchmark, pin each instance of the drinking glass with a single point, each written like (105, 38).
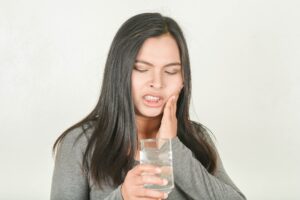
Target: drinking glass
(158, 152)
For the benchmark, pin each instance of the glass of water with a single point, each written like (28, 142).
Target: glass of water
(158, 152)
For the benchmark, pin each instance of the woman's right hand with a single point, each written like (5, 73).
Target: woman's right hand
(133, 185)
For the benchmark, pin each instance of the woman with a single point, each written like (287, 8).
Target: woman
(145, 94)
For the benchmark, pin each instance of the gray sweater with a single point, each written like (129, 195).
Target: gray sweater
(192, 181)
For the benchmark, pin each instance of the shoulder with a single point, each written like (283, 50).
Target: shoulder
(203, 132)
(75, 139)
(69, 176)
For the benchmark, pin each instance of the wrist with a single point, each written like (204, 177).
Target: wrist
(122, 192)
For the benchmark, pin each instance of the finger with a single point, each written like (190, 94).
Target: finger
(176, 99)
(150, 179)
(177, 95)
(173, 100)
(152, 194)
(144, 168)
(172, 107)
(175, 104)
(167, 110)
(168, 104)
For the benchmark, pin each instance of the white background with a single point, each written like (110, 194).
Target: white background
(245, 72)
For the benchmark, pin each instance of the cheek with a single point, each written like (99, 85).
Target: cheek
(136, 85)
(175, 83)
(173, 89)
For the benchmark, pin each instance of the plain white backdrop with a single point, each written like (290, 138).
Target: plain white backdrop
(245, 75)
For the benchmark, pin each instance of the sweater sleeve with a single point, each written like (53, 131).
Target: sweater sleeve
(194, 180)
(68, 180)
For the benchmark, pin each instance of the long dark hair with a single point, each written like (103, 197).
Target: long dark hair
(113, 143)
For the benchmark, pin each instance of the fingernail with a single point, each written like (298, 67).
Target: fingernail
(165, 195)
(165, 181)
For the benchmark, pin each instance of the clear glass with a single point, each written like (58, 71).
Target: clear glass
(158, 152)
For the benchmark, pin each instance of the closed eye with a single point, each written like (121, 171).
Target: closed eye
(140, 69)
(171, 72)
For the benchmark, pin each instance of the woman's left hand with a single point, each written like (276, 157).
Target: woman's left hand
(168, 126)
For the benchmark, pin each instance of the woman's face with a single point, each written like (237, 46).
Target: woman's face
(156, 75)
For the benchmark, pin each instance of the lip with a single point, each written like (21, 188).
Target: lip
(153, 104)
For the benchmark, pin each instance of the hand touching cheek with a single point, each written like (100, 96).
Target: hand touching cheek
(168, 127)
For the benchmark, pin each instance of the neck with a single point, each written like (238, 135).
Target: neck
(147, 127)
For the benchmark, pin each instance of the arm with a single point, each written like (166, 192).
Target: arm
(189, 175)
(69, 181)
(194, 179)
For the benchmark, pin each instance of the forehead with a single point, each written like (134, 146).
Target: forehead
(159, 50)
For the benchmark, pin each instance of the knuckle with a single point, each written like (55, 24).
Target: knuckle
(137, 169)
(129, 173)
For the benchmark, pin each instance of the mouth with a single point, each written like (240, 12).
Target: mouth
(152, 100)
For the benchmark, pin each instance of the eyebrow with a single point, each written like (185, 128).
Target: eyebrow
(150, 64)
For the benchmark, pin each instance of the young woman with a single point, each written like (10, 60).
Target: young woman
(145, 93)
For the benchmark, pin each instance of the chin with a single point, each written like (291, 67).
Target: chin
(151, 113)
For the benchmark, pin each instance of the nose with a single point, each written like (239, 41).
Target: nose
(156, 82)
